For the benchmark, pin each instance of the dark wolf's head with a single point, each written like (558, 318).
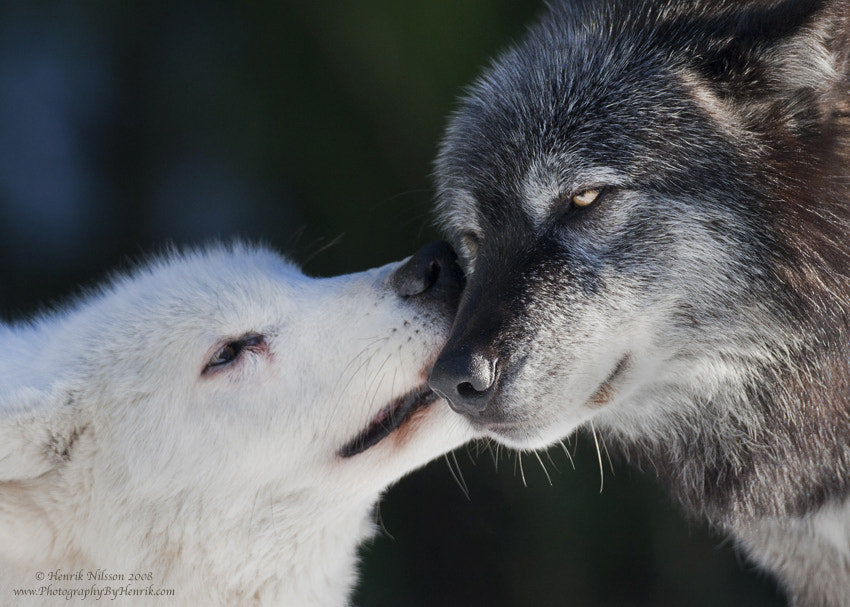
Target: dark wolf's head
(650, 200)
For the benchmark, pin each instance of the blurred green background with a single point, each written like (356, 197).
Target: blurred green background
(312, 126)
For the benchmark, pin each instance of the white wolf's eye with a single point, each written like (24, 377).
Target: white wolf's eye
(224, 355)
(585, 198)
(231, 351)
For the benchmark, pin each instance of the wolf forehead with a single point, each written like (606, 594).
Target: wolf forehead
(651, 91)
(198, 295)
(216, 282)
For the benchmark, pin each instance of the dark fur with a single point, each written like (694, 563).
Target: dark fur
(767, 180)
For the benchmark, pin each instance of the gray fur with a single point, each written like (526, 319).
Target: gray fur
(697, 313)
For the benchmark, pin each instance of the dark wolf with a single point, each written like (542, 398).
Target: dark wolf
(651, 200)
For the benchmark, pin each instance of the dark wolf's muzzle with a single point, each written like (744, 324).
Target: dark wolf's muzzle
(466, 378)
(467, 372)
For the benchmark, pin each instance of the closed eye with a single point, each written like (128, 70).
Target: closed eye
(231, 351)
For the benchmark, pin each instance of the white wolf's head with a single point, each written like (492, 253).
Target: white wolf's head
(221, 400)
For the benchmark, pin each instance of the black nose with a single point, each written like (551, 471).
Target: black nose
(433, 272)
(465, 378)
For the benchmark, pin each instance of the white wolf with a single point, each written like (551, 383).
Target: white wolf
(215, 429)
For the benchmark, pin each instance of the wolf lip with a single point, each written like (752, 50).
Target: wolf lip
(389, 419)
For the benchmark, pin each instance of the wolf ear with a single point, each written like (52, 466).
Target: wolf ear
(813, 53)
(786, 61)
(38, 429)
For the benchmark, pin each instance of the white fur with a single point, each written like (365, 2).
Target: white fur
(118, 454)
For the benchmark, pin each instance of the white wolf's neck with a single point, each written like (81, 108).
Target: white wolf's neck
(265, 551)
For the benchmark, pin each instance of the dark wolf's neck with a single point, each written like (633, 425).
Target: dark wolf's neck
(779, 444)
(788, 455)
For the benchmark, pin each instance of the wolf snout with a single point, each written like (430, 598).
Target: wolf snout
(433, 272)
(465, 378)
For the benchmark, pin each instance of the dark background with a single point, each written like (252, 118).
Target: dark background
(311, 126)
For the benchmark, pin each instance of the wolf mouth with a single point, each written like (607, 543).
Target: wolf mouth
(605, 392)
(389, 419)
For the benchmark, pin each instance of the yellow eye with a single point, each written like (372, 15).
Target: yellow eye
(585, 198)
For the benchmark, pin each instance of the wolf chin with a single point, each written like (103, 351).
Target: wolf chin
(215, 429)
(651, 202)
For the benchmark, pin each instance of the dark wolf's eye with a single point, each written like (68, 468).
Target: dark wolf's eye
(580, 200)
(585, 198)
(230, 351)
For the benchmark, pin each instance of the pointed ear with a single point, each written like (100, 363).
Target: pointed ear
(38, 429)
(783, 63)
(809, 65)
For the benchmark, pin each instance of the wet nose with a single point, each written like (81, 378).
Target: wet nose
(432, 271)
(465, 378)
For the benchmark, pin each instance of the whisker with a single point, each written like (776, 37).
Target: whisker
(599, 455)
(356, 371)
(552, 461)
(377, 381)
(494, 454)
(607, 454)
(470, 447)
(457, 474)
(332, 243)
(542, 465)
(379, 521)
(568, 454)
(521, 471)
